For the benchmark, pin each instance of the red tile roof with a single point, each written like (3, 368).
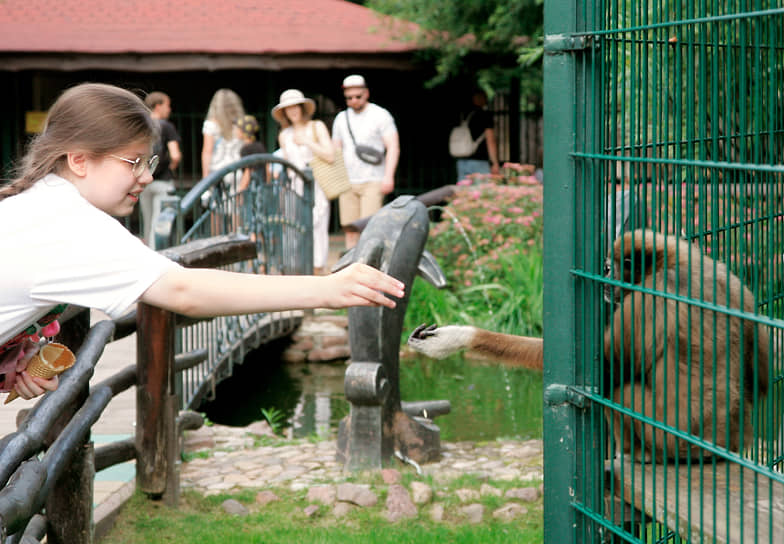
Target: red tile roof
(192, 26)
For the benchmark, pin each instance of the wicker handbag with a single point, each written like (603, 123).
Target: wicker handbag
(331, 177)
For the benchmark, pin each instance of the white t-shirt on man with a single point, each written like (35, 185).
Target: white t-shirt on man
(369, 128)
(57, 248)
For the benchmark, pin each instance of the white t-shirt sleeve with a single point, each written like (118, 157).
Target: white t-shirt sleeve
(211, 127)
(79, 254)
(58, 248)
(386, 123)
(109, 269)
(338, 126)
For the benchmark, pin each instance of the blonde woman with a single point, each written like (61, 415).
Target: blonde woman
(300, 140)
(221, 147)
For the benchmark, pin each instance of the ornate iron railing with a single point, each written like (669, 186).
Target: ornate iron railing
(273, 209)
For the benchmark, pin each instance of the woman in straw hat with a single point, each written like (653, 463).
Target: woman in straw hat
(300, 140)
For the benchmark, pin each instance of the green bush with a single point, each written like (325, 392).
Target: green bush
(489, 244)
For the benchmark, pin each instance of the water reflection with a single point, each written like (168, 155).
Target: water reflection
(488, 400)
(321, 403)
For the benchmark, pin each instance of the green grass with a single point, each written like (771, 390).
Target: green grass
(202, 520)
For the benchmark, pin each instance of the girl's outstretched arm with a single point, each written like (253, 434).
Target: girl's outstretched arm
(206, 292)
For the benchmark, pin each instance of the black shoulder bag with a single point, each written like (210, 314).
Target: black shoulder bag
(366, 153)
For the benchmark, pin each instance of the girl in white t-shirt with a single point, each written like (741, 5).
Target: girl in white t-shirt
(61, 244)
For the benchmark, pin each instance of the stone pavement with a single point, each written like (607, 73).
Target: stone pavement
(236, 459)
(233, 460)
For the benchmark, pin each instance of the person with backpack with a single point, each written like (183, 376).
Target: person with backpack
(473, 142)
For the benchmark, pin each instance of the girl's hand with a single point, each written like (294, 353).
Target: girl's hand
(28, 386)
(363, 285)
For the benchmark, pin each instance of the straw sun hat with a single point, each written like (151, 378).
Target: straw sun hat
(292, 97)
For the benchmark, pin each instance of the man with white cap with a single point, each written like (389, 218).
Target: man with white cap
(371, 148)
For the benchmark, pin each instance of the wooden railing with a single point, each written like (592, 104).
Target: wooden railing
(49, 463)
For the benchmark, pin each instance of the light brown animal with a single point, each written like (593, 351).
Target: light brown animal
(669, 360)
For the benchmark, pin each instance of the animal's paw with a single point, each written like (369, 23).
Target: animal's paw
(440, 342)
(422, 332)
(418, 338)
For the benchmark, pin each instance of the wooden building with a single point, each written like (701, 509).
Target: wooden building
(191, 48)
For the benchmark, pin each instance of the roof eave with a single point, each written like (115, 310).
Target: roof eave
(182, 62)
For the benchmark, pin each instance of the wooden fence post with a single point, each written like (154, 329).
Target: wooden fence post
(69, 507)
(156, 404)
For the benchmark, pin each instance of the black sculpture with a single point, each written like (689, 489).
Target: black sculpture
(379, 424)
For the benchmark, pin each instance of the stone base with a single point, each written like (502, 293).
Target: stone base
(417, 438)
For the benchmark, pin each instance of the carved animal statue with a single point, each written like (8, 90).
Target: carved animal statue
(670, 360)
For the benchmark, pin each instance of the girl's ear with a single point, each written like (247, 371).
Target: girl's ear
(77, 163)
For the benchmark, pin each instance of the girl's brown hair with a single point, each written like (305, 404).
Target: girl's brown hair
(93, 118)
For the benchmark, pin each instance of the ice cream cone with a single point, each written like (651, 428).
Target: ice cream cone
(51, 360)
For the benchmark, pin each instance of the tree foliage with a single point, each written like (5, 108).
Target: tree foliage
(491, 40)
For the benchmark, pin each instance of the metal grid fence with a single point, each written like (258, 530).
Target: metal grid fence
(663, 377)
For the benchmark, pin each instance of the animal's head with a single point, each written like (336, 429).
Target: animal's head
(633, 256)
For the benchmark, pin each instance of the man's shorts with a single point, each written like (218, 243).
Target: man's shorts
(363, 200)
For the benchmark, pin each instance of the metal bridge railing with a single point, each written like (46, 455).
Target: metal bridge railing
(269, 200)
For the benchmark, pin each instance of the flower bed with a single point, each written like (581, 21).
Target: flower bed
(489, 244)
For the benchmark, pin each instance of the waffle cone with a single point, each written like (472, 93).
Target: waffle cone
(51, 360)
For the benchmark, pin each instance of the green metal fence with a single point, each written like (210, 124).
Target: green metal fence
(664, 129)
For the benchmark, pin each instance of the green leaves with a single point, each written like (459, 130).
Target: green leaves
(276, 419)
(488, 40)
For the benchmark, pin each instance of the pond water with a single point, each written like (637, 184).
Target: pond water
(488, 401)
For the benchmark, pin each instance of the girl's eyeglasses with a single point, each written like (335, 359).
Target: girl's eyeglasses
(137, 166)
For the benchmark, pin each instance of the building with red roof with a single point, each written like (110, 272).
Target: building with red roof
(178, 35)
(191, 48)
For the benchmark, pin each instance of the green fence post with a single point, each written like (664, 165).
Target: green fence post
(558, 319)
(559, 418)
